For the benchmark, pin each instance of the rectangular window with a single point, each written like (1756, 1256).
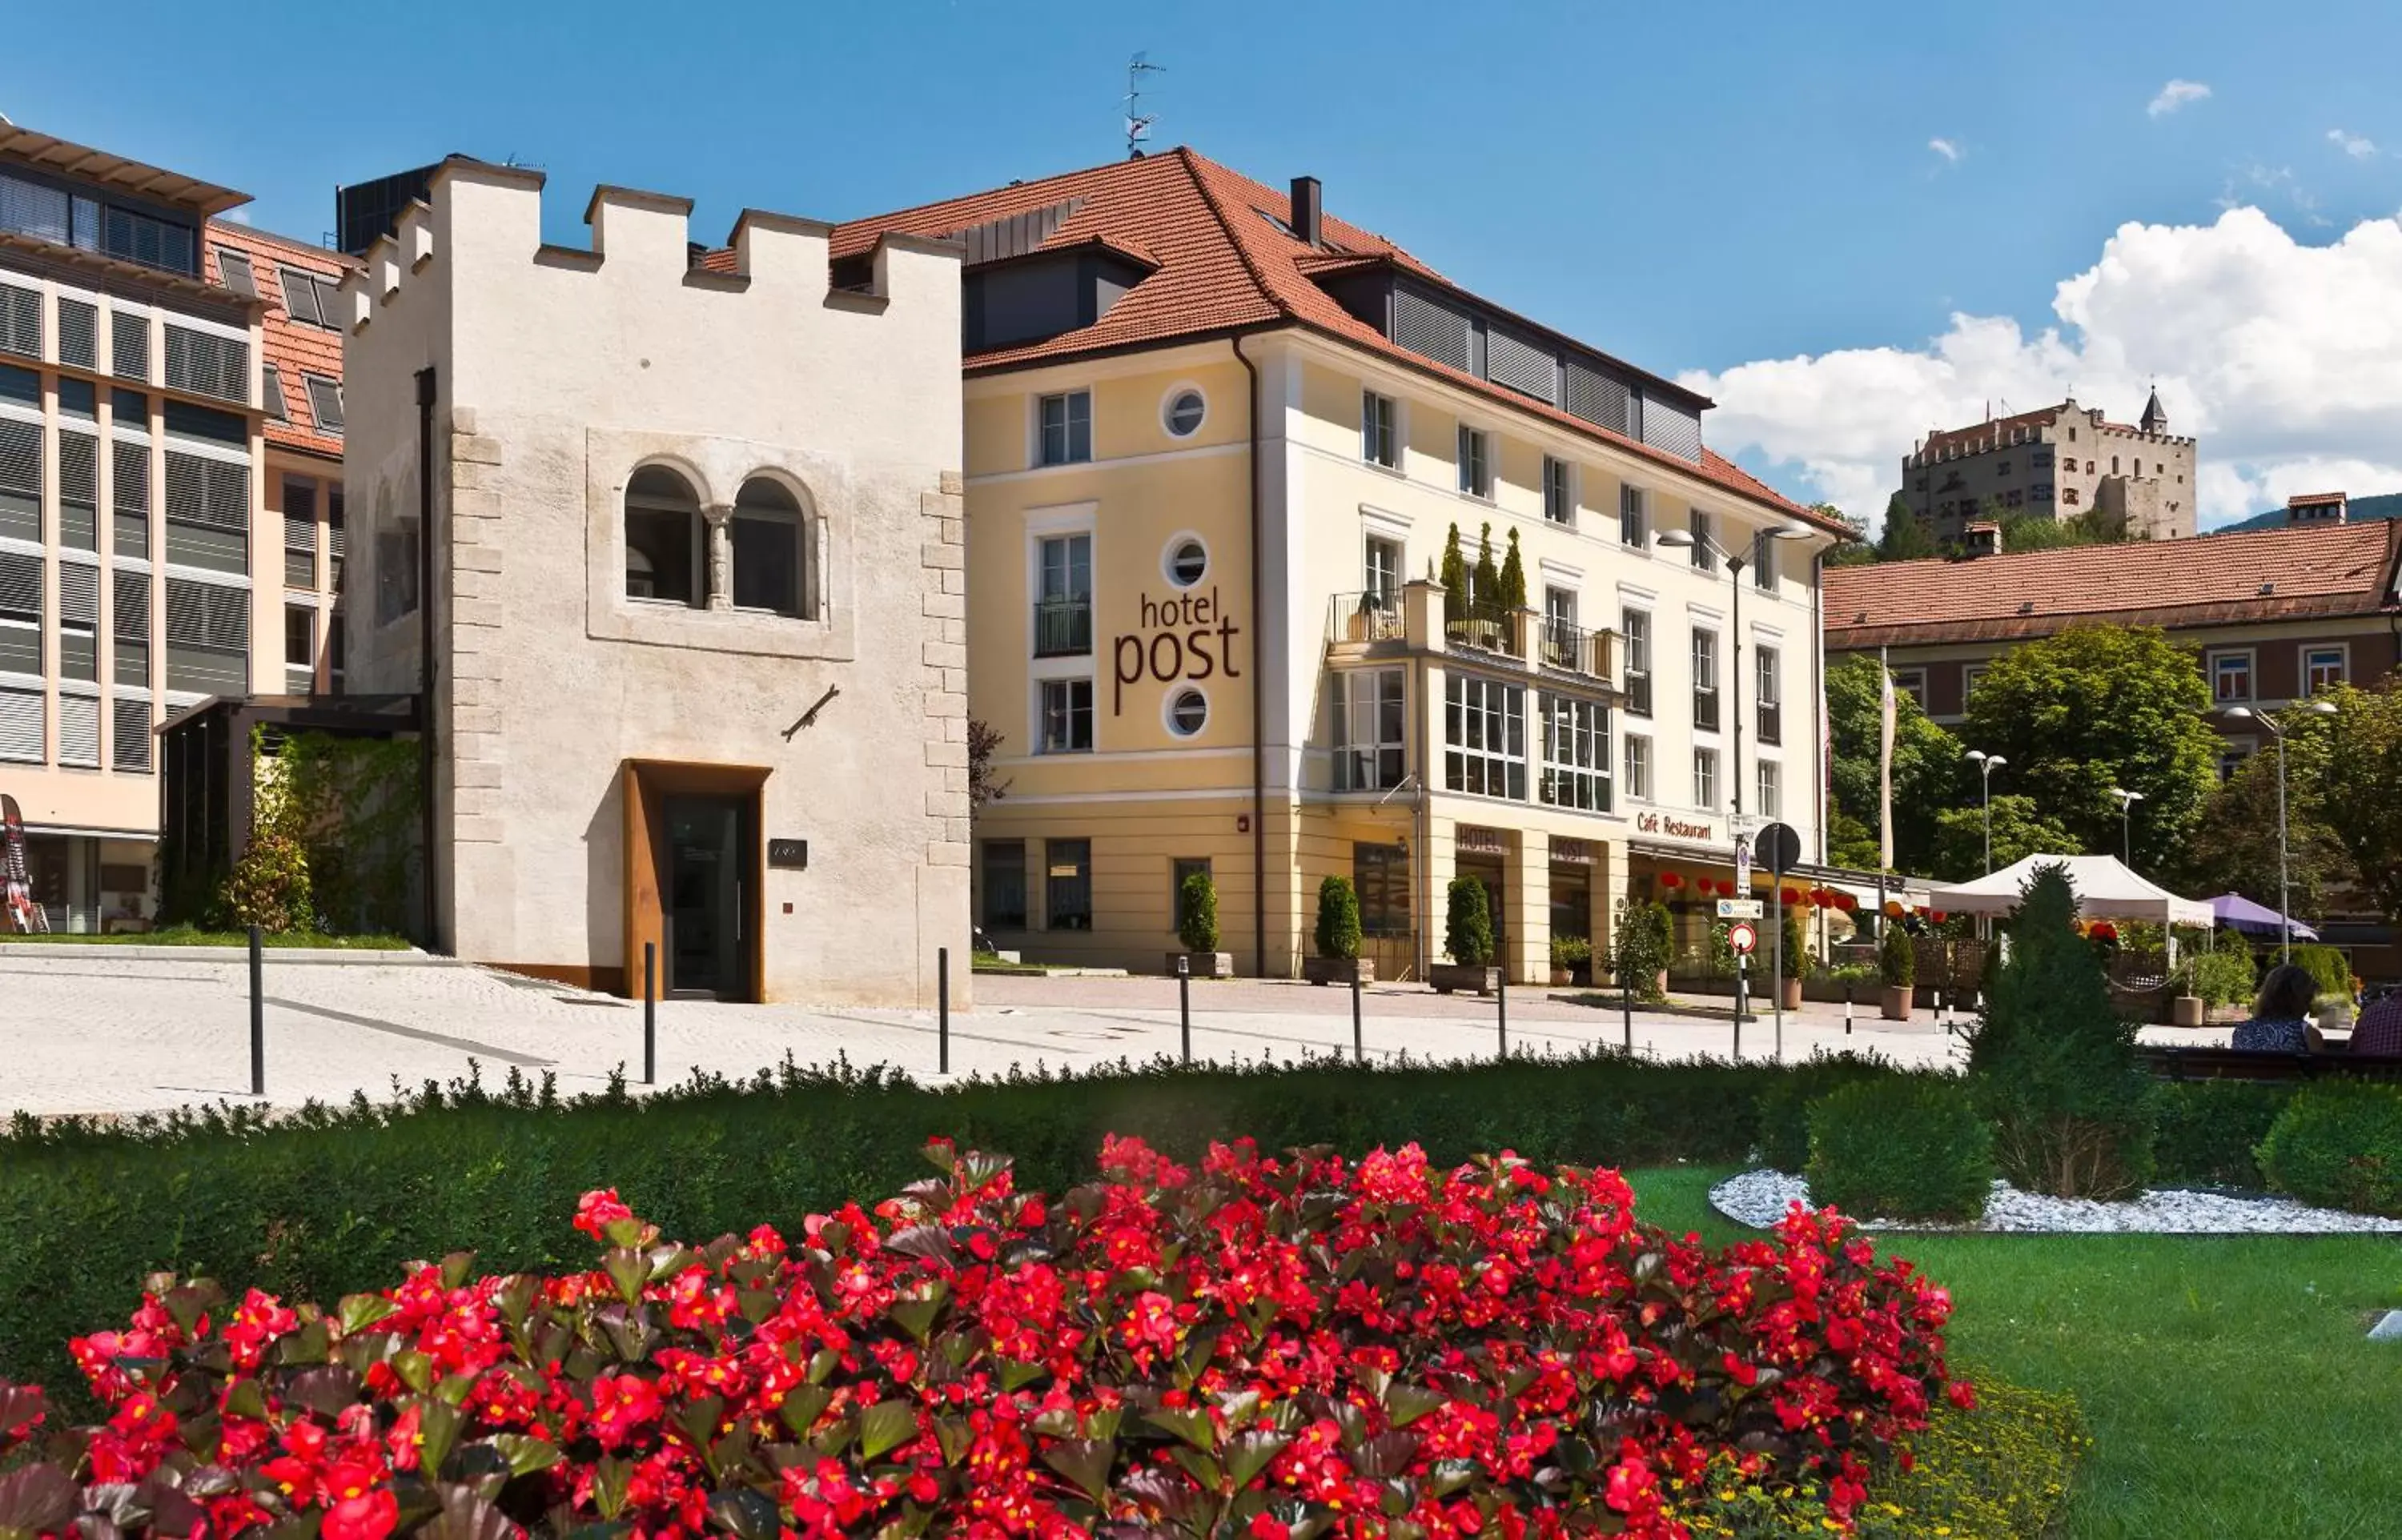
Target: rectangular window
(207, 364)
(1970, 677)
(1063, 601)
(20, 321)
(152, 242)
(1004, 885)
(1559, 499)
(208, 512)
(1633, 523)
(78, 334)
(311, 299)
(1705, 558)
(1637, 626)
(236, 274)
(299, 636)
(1485, 738)
(78, 622)
(1639, 768)
(128, 745)
(2231, 758)
(1068, 885)
(208, 639)
(767, 563)
(79, 490)
(1369, 723)
(1380, 435)
(129, 619)
(1177, 870)
(2230, 678)
(1705, 680)
(1705, 777)
(395, 570)
(1772, 792)
(325, 403)
(129, 345)
(1475, 461)
(20, 479)
(1768, 694)
(2323, 668)
(1763, 560)
(1576, 754)
(1910, 683)
(1067, 716)
(1381, 876)
(1067, 428)
(1383, 578)
(270, 395)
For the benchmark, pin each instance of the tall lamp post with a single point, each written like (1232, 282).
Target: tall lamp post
(1684, 539)
(1986, 764)
(2284, 884)
(2127, 801)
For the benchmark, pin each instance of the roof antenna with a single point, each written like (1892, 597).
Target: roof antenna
(1138, 123)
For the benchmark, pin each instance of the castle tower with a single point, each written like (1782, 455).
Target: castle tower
(2155, 419)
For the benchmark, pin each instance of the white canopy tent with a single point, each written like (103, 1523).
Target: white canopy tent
(2106, 891)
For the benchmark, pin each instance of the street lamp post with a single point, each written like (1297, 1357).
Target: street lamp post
(2127, 801)
(1986, 764)
(2285, 883)
(1683, 540)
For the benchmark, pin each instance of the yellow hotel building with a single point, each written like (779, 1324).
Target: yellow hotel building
(1217, 441)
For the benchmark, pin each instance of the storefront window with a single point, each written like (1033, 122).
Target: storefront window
(1004, 885)
(1381, 876)
(1068, 886)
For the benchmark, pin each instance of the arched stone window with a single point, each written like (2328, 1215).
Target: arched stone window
(771, 551)
(663, 538)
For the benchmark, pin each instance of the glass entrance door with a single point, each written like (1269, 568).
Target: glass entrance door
(710, 876)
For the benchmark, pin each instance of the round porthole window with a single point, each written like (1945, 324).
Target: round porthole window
(1188, 713)
(1188, 561)
(1185, 410)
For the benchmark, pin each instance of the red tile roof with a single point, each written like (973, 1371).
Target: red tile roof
(1227, 263)
(294, 347)
(2207, 580)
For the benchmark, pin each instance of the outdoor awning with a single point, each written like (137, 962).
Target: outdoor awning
(2105, 889)
(2238, 913)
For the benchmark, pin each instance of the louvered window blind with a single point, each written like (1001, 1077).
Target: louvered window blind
(130, 619)
(214, 492)
(129, 345)
(21, 726)
(205, 364)
(21, 586)
(78, 334)
(129, 746)
(21, 478)
(20, 321)
(78, 491)
(129, 495)
(79, 730)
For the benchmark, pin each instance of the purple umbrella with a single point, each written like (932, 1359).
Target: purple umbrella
(2256, 919)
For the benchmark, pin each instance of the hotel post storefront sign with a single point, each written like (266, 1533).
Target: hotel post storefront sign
(1184, 635)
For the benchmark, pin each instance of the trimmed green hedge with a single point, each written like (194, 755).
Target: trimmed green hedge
(2338, 1145)
(2209, 1129)
(1902, 1148)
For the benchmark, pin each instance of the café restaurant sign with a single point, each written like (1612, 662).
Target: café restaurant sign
(1673, 826)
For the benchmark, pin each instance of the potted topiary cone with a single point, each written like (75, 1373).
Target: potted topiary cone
(1338, 959)
(1796, 959)
(1468, 937)
(1898, 966)
(1198, 930)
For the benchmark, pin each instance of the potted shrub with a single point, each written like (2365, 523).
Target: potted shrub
(1338, 959)
(1468, 939)
(1898, 970)
(1570, 954)
(1647, 936)
(1197, 928)
(2208, 979)
(1797, 959)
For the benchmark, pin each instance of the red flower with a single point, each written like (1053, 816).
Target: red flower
(369, 1516)
(1962, 1395)
(596, 1210)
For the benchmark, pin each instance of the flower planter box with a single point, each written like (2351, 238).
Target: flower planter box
(2187, 1010)
(1790, 994)
(1338, 969)
(1205, 964)
(1448, 977)
(1898, 998)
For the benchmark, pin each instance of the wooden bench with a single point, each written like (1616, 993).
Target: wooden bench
(2234, 1064)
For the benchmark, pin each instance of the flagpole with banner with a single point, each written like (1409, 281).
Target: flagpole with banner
(1885, 707)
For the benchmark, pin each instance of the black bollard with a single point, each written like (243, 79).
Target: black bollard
(1626, 1006)
(1501, 1008)
(257, 1017)
(943, 1010)
(1358, 1047)
(650, 1013)
(1847, 1008)
(1184, 1003)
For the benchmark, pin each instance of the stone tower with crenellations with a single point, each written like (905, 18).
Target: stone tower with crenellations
(2055, 463)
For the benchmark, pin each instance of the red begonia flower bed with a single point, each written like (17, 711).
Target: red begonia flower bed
(1278, 1348)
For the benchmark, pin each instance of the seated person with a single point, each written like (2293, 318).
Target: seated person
(2380, 1028)
(2281, 1017)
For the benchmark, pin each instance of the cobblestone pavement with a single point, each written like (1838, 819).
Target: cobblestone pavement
(85, 1031)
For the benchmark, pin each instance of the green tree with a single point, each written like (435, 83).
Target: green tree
(2362, 789)
(1468, 924)
(2097, 706)
(2234, 847)
(1487, 596)
(1514, 577)
(1455, 577)
(1196, 920)
(1859, 551)
(2019, 832)
(1905, 536)
(1927, 767)
(1338, 918)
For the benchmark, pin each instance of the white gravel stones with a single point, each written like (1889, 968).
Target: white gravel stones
(1759, 1199)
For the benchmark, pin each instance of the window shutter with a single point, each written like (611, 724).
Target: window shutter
(326, 402)
(79, 595)
(132, 606)
(1431, 329)
(301, 295)
(201, 615)
(20, 586)
(130, 488)
(1520, 364)
(20, 321)
(129, 345)
(213, 492)
(21, 726)
(206, 364)
(130, 722)
(79, 730)
(21, 458)
(78, 334)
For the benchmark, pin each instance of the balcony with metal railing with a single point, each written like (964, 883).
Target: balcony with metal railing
(1572, 649)
(1364, 617)
(1063, 627)
(1501, 633)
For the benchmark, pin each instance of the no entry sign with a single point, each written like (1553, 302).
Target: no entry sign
(1741, 937)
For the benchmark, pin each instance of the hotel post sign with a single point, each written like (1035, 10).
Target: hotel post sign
(1184, 635)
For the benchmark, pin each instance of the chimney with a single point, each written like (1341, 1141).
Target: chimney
(1309, 213)
(1984, 539)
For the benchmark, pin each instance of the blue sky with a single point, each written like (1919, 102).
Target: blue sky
(1696, 191)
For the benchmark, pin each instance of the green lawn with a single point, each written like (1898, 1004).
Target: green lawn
(2226, 1380)
(186, 936)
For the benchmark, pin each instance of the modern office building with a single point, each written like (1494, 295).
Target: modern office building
(1217, 442)
(161, 413)
(2055, 463)
(682, 593)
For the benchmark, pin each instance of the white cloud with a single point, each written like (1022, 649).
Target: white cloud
(2276, 355)
(2176, 94)
(236, 216)
(1948, 149)
(2358, 146)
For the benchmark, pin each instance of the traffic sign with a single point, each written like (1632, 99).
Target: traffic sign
(1778, 848)
(1741, 937)
(1740, 909)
